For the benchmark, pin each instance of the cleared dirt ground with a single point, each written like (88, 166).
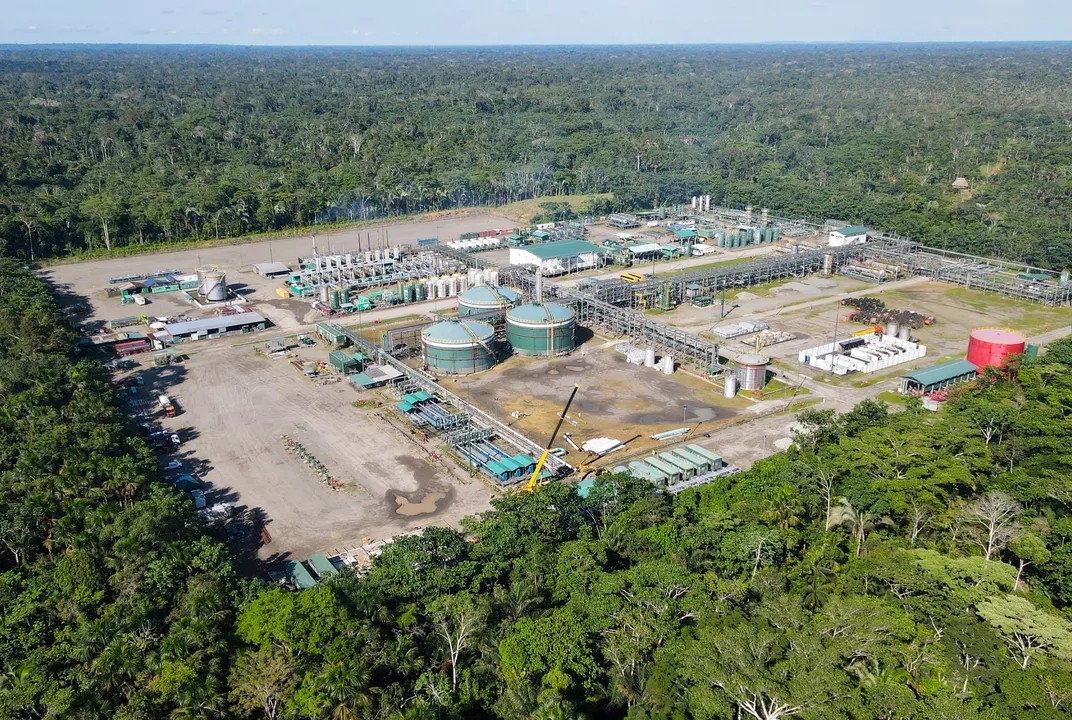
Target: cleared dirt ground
(615, 399)
(235, 407)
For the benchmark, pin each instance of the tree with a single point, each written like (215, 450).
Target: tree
(261, 680)
(993, 520)
(1027, 630)
(859, 522)
(1029, 550)
(458, 620)
(105, 208)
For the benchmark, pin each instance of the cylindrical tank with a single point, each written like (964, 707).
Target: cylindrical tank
(667, 365)
(444, 285)
(407, 292)
(485, 298)
(892, 328)
(828, 264)
(1066, 278)
(905, 333)
(775, 234)
(419, 291)
(334, 299)
(324, 294)
(541, 329)
(649, 357)
(990, 347)
(731, 386)
(458, 347)
(215, 284)
(491, 277)
(432, 289)
(751, 371)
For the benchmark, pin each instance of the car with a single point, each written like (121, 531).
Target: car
(558, 452)
(173, 465)
(198, 497)
(175, 439)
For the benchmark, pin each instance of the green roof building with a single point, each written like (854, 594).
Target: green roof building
(938, 376)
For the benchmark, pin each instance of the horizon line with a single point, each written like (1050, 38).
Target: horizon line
(517, 45)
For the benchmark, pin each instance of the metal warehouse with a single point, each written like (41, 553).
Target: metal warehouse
(213, 327)
(938, 376)
(559, 257)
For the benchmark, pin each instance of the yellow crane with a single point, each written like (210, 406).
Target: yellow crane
(531, 485)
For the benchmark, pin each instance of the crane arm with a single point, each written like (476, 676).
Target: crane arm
(547, 450)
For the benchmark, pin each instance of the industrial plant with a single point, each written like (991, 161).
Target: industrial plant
(674, 327)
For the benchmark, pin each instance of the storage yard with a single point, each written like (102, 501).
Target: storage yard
(336, 395)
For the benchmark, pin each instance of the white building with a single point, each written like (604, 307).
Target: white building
(865, 353)
(851, 235)
(559, 257)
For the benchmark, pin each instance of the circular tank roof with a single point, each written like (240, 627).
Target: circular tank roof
(486, 295)
(998, 336)
(461, 333)
(534, 313)
(752, 359)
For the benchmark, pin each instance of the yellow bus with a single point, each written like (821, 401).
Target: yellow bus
(632, 277)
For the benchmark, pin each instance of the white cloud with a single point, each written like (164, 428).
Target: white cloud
(361, 33)
(31, 28)
(260, 31)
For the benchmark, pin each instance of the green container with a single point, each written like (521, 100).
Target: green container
(458, 348)
(541, 330)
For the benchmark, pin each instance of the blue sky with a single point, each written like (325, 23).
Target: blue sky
(499, 22)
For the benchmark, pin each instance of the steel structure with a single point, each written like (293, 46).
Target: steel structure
(971, 271)
(478, 418)
(361, 270)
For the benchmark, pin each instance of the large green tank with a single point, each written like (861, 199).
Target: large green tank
(458, 347)
(542, 330)
(485, 298)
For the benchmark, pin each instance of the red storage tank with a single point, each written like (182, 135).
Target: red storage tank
(990, 347)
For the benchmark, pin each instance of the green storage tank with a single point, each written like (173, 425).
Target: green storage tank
(458, 347)
(485, 298)
(541, 330)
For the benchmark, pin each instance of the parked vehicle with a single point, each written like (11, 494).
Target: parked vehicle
(173, 465)
(198, 496)
(167, 406)
(175, 439)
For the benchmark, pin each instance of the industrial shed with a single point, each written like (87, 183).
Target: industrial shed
(849, 235)
(215, 326)
(559, 257)
(938, 376)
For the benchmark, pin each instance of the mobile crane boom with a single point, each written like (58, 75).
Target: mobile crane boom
(547, 450)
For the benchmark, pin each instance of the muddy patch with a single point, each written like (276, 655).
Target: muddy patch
(422, 504)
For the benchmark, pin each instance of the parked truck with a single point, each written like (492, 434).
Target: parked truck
(166, 405)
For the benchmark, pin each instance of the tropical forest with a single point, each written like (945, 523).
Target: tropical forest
(892, 563)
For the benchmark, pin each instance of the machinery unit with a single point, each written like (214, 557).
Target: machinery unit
(991, 347)
(486, 298)
(541, 330)
(751, 371)
(458, 347)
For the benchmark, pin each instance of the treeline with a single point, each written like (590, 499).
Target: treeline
(908, 565)
(113, 603)
(109, 147)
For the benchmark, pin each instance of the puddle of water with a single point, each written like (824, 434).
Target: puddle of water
(428, 504)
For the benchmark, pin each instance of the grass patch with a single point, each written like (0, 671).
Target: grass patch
(891, 398)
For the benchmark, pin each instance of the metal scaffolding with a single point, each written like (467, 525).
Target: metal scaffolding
(971, 271)
(479, 418)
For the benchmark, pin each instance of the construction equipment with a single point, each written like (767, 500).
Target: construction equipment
(547, 450)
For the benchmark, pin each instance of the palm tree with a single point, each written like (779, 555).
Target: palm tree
(817, 589)
(859, 522)
(346, 688)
